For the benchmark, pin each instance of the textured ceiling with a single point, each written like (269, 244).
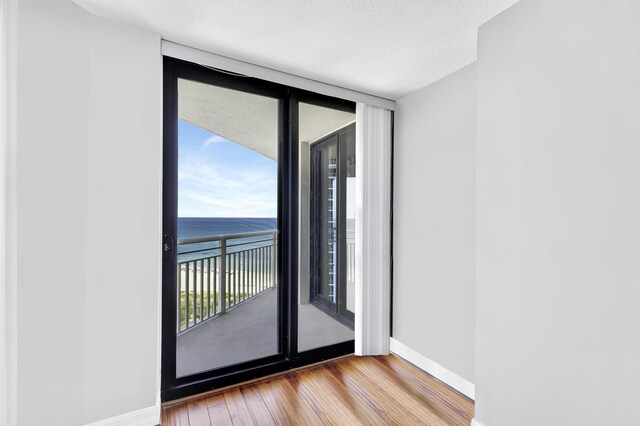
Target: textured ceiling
(382, 47)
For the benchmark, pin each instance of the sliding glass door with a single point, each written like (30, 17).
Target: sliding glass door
(231, 233)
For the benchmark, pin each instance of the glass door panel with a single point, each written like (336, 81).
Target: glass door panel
(327, 225)
(226, 270)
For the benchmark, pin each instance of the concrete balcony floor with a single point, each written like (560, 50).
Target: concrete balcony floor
(250, 331)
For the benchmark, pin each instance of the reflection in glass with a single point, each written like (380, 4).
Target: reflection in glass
(327, 226)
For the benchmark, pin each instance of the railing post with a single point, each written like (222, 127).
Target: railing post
(179, 296)
(273, 259)
(223, 276)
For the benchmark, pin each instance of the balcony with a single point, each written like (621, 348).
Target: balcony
(227, 303)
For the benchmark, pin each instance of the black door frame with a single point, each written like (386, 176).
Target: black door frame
(173, 387)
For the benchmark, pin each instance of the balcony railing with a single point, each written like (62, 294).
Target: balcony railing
(218, 273)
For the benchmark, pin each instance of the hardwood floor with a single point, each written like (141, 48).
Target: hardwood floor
(384, 390)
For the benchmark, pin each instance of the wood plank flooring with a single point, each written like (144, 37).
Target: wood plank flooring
(384, 390)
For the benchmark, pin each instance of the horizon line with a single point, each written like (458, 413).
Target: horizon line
(226, 217)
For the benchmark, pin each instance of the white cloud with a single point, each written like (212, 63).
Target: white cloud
(218, 190)
(213, 140)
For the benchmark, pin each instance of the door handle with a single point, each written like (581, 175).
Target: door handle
(167, 245)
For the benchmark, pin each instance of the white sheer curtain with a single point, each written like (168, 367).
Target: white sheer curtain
(373, 230)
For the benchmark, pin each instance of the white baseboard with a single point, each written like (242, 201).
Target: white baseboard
(436, 370)
(474, 422)
(146, 417)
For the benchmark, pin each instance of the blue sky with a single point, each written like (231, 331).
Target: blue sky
(219, 178)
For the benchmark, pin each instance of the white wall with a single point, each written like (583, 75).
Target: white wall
(88, 209)
(558, 215)
(434, 222)
(123, 220)
(8, 287)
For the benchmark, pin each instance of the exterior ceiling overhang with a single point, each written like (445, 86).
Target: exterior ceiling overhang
(251, 120)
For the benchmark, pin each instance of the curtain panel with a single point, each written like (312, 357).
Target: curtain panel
(373, 230)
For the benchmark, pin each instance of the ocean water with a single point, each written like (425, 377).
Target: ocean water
(192, 227)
